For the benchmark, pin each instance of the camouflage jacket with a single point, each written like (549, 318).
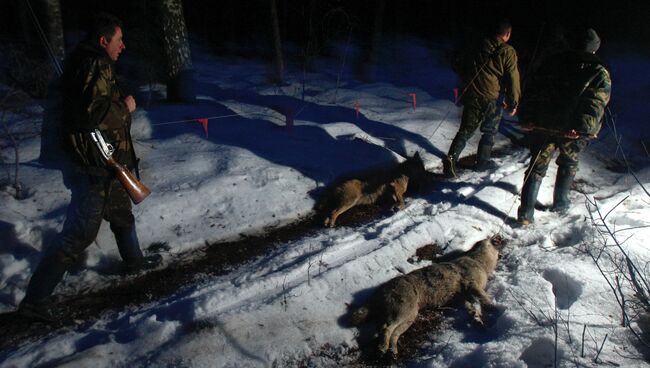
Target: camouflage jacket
(489, 69)
(570, 90)
(92, 100)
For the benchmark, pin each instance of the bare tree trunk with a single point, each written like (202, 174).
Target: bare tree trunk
(26, 23)
(368, 69)
(277, 43)
(53, 26)
(43, 31)
(14, 143)
(284, 12)
(180, 83)
(51, 23)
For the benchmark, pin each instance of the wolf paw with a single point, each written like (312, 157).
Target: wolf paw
(476, 317)
(383, 349)
(492, 314)
(387, 355)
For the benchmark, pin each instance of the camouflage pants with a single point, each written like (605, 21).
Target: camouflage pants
(543, 149)
(94, 198)
(477, 112)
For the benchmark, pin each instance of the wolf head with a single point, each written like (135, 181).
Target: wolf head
(359, 315)
(414, 163)
(413, 167)
(486, 254)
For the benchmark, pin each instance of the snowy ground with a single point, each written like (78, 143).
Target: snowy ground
(252, 172)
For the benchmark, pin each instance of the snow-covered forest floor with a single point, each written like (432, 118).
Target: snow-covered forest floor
(251, 172)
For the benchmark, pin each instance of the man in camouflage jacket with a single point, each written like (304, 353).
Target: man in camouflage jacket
(564, 103)
(92, 100)
(487, 70)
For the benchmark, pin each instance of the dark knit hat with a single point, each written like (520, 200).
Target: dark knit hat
(587, 40)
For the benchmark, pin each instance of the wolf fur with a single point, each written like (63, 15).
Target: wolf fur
(396, 304)
(356, 192)
(373, 188)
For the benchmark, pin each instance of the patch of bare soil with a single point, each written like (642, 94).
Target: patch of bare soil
(77, 312)
(429, 323)
(427, 252)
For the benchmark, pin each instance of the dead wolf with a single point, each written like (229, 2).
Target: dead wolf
(355, 192)
(396, 303)
(387, 186)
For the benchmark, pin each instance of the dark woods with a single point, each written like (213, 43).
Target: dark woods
(285, 31)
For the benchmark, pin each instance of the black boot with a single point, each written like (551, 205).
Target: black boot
(146, 263)
(129, 247)
(449, 167)
(563, 182)
(41, 312)
(526, 211)
(483, 156)
(48, 274)
(449, 162)
(127, 243)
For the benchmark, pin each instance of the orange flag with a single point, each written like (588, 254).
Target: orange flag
(204, 123)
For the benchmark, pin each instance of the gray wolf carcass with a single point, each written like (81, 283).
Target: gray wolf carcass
(395, 305)
(378, 187)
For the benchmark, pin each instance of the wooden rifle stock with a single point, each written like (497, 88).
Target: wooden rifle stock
(137, 191)
(558, 133)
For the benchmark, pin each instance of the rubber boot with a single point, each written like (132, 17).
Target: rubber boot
(41, 312)
(129, 248)
(526, 211)
(449, 162)
(483, 156)
(127, 243)
(47, 275)
(449, 167)
(563, 182)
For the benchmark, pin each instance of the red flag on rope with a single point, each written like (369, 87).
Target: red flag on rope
(356, 108)
(413, 100)
(456, 95)
(204, 123)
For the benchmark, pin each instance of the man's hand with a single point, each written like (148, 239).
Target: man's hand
(572, 134)
(506, 107)
(130, 103)
(527, 127)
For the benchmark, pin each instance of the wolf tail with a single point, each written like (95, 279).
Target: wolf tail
(359, 315)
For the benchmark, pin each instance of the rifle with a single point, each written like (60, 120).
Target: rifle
(137, 191)
(570, 134)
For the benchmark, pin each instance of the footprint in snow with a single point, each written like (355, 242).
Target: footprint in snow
(567, 290)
